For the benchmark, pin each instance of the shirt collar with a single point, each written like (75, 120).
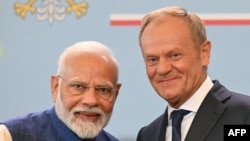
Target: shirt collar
(194, 102)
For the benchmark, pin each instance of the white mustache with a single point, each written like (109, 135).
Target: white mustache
(96, 110)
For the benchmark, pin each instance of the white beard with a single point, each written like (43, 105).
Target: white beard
(83, 128)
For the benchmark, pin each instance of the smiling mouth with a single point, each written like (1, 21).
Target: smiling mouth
(166, 80)
(89, 116)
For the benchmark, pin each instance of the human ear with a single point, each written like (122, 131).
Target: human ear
(54, 85)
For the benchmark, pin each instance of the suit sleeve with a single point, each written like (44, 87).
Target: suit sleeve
(139, 135)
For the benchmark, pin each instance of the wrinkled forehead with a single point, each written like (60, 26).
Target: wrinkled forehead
(90, 59)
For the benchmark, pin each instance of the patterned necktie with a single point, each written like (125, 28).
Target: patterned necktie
(177, 116)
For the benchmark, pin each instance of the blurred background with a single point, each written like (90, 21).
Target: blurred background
(31, 40)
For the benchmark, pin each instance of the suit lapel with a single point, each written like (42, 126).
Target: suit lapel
(209, 112)
(161, 131)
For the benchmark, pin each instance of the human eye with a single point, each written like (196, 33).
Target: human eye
(151, 60)
(104, 90)
(78, 86)
(175, 56)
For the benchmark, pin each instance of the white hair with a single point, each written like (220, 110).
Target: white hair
(85, 47)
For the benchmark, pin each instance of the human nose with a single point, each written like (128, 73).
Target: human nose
(90, 98)
(164, 66)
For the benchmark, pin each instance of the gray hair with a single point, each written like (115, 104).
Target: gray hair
(85, 47)
(194, 23)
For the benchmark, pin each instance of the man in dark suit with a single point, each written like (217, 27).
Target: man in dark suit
(176, 52)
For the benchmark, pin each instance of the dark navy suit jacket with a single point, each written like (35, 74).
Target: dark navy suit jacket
(220, 107)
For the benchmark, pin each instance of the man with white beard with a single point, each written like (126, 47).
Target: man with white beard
(84, 91)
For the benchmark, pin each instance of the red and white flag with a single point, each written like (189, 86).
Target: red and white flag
(209, 19)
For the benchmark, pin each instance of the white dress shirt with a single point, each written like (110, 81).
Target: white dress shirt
(192, 104)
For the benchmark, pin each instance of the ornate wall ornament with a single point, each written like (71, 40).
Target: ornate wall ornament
(51, 10)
